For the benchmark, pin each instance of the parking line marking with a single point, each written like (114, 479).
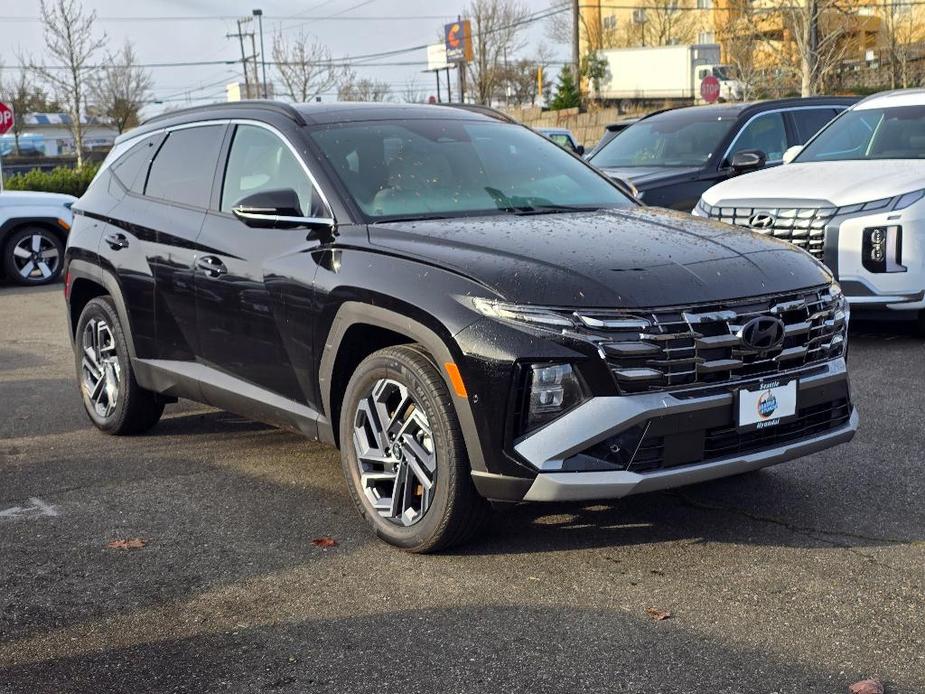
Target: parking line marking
(38, 508)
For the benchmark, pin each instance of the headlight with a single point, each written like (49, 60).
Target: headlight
(909, 199)
(894, 204)
(553, 390)
(703, 208)
(539, 317)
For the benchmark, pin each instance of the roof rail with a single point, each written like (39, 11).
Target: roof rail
(275, 106)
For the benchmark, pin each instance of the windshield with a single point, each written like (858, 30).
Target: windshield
(683, 138)
(445, 168)
(722, 72)
(876, 133)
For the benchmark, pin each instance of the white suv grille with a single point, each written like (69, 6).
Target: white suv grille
(801, 226)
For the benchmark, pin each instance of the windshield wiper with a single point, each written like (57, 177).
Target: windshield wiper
(552, 208)
(508, 204)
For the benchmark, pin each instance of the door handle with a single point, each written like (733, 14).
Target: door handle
(116, 241)
(211, 266)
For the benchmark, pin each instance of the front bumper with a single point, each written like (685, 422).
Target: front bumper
(553, 449)
(872, 291)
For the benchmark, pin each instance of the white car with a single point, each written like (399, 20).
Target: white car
(854, 197)
(33, 233)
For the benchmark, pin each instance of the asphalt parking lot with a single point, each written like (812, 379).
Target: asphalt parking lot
(802, 578)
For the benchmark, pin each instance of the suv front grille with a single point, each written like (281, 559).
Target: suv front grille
(683, 348)
(802, 226)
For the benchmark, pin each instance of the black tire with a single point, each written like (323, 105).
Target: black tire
(920, 324)
(456, 512)
(134, 409)
(50, 249)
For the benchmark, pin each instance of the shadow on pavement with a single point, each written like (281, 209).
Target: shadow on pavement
(462, 649)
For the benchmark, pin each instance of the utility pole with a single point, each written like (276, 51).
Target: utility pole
(462, 74)
(576, 49)
(244, 61)
(258, 13)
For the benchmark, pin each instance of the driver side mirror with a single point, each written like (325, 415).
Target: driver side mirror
(276, 209)
(792, 153)
(580, 150)
(748, 160)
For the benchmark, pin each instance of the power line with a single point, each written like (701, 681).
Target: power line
(227, 18)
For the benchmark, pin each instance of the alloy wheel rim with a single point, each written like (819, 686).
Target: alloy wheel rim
(35, 257)
(395, 453)
(101, 374)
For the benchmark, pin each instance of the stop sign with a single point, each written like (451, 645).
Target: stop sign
(6, 118)
(709, 89)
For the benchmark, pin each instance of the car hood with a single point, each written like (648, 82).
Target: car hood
(640, 176)
(10, 198)
(615, 258)
(835, 183)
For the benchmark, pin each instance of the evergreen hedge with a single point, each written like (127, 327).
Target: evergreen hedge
(59, 180)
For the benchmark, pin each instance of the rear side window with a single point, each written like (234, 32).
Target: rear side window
(184, 167)
(809, 121)
(132, 167)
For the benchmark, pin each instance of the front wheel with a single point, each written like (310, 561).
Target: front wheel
(113, 400)
(403, 453)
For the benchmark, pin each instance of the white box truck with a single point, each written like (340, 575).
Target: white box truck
(665, 73)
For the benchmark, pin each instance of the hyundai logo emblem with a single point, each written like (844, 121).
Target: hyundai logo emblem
(762, 334)
(762, 220)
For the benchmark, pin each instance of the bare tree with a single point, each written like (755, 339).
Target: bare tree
(661, 23)
(353, 89)
(411, 93)
(749, 50)
(72, 45)
(517, 83)
(900, 28)
(304, 67)
(496, 34)
(120, 89)
(820, 31)
(24, 97)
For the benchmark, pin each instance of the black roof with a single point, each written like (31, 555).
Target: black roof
(749, 108)
(304, 114)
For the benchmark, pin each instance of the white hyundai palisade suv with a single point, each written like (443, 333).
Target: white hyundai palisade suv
(853, 197)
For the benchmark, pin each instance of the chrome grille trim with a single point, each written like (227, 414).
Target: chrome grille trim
(694, 347)
(804, 227)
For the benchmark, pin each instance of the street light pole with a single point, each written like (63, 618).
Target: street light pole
(258, 13)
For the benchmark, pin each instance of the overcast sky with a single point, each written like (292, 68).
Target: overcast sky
(349, 27)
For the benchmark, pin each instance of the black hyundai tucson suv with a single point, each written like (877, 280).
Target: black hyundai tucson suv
(471, 313)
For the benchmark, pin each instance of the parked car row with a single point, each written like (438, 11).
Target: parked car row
(473, 314)
(853, 197)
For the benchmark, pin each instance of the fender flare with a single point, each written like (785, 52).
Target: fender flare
(82, 269)
(355, 313)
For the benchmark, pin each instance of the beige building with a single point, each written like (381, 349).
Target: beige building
(757, 32)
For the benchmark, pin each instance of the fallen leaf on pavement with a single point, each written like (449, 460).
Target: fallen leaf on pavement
(659, 615)
(324, 542)
(871, 686)
(129, 543)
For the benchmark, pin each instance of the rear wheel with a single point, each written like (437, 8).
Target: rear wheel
(403, 453)
(921, 324)
(33, 256)
(112, 398)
